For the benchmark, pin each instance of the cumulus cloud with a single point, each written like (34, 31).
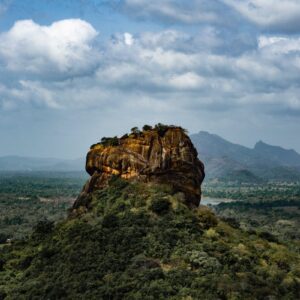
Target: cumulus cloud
(169, 68)
(203, 64)
(263, 77)
(271, 14)
(65, 48)
(206, 38)
(128, 39)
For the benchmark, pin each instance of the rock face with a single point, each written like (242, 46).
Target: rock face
(160, 156)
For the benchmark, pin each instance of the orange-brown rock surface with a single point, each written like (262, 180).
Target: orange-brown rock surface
(167, 157)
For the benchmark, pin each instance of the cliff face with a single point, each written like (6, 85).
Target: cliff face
(167, 157)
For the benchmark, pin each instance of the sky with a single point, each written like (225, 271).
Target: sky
(74, 71)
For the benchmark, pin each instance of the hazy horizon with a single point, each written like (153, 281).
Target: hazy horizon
(84, 154)
(75, 71)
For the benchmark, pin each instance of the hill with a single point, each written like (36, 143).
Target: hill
(278, 154)
(163, 154)
(140, 241)
(225, 160)
(134, 234)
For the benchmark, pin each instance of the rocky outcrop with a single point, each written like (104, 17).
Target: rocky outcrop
(161, 155)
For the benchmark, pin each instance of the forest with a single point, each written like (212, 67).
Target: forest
(27, 198)
(244, 249)
(196, 253)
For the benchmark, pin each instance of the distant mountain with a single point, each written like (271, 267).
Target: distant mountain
(278, 154)
(18, 163)
(229, 161)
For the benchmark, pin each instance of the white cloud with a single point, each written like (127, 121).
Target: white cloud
(128, 39)
(168, 68)
(279, 44)
(282, 15)
(206, 38)
(187, 81)
(164, 39)
(65, 48)
(39, 94)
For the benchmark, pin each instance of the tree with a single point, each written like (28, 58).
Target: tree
(44, 226)
(161, 128)
(110, 141)
(135, 130)
(147, 127)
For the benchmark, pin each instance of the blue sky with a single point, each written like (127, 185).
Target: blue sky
(76, 70)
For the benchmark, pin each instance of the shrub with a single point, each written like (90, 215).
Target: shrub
(110, 141)
(211, 233)
(110, 221)
(207, 218)
(147, 127)
(2, 295)
(268, 236)
(161, 128)
(25, 262)
(44, 227)
(125, 136)
(200, 259)
(135, 130)
(234, 223)
(117, 183)
(3, 238)
(160, 206)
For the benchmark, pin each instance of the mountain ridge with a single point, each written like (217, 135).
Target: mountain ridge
(263, 161)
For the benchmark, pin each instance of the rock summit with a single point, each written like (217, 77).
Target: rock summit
(163, 154)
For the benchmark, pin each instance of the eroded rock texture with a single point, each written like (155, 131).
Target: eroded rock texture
(167, 157)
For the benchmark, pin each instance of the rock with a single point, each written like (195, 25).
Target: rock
(157, 155)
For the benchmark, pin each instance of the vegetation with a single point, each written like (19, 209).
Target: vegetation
(279, 220)
(147, 128)
(140, 241)
(161, 128)
(110, 141)
(135, 131)
(252, 191)
(27, 198)
(271, 210)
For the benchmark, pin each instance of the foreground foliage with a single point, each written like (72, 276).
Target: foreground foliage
(141, 242)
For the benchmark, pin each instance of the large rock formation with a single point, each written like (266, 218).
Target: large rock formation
(161, 155)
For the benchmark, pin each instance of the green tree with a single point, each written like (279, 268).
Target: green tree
(135, 130)
(147, 127)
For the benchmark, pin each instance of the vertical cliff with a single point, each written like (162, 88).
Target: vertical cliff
(164, 155)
